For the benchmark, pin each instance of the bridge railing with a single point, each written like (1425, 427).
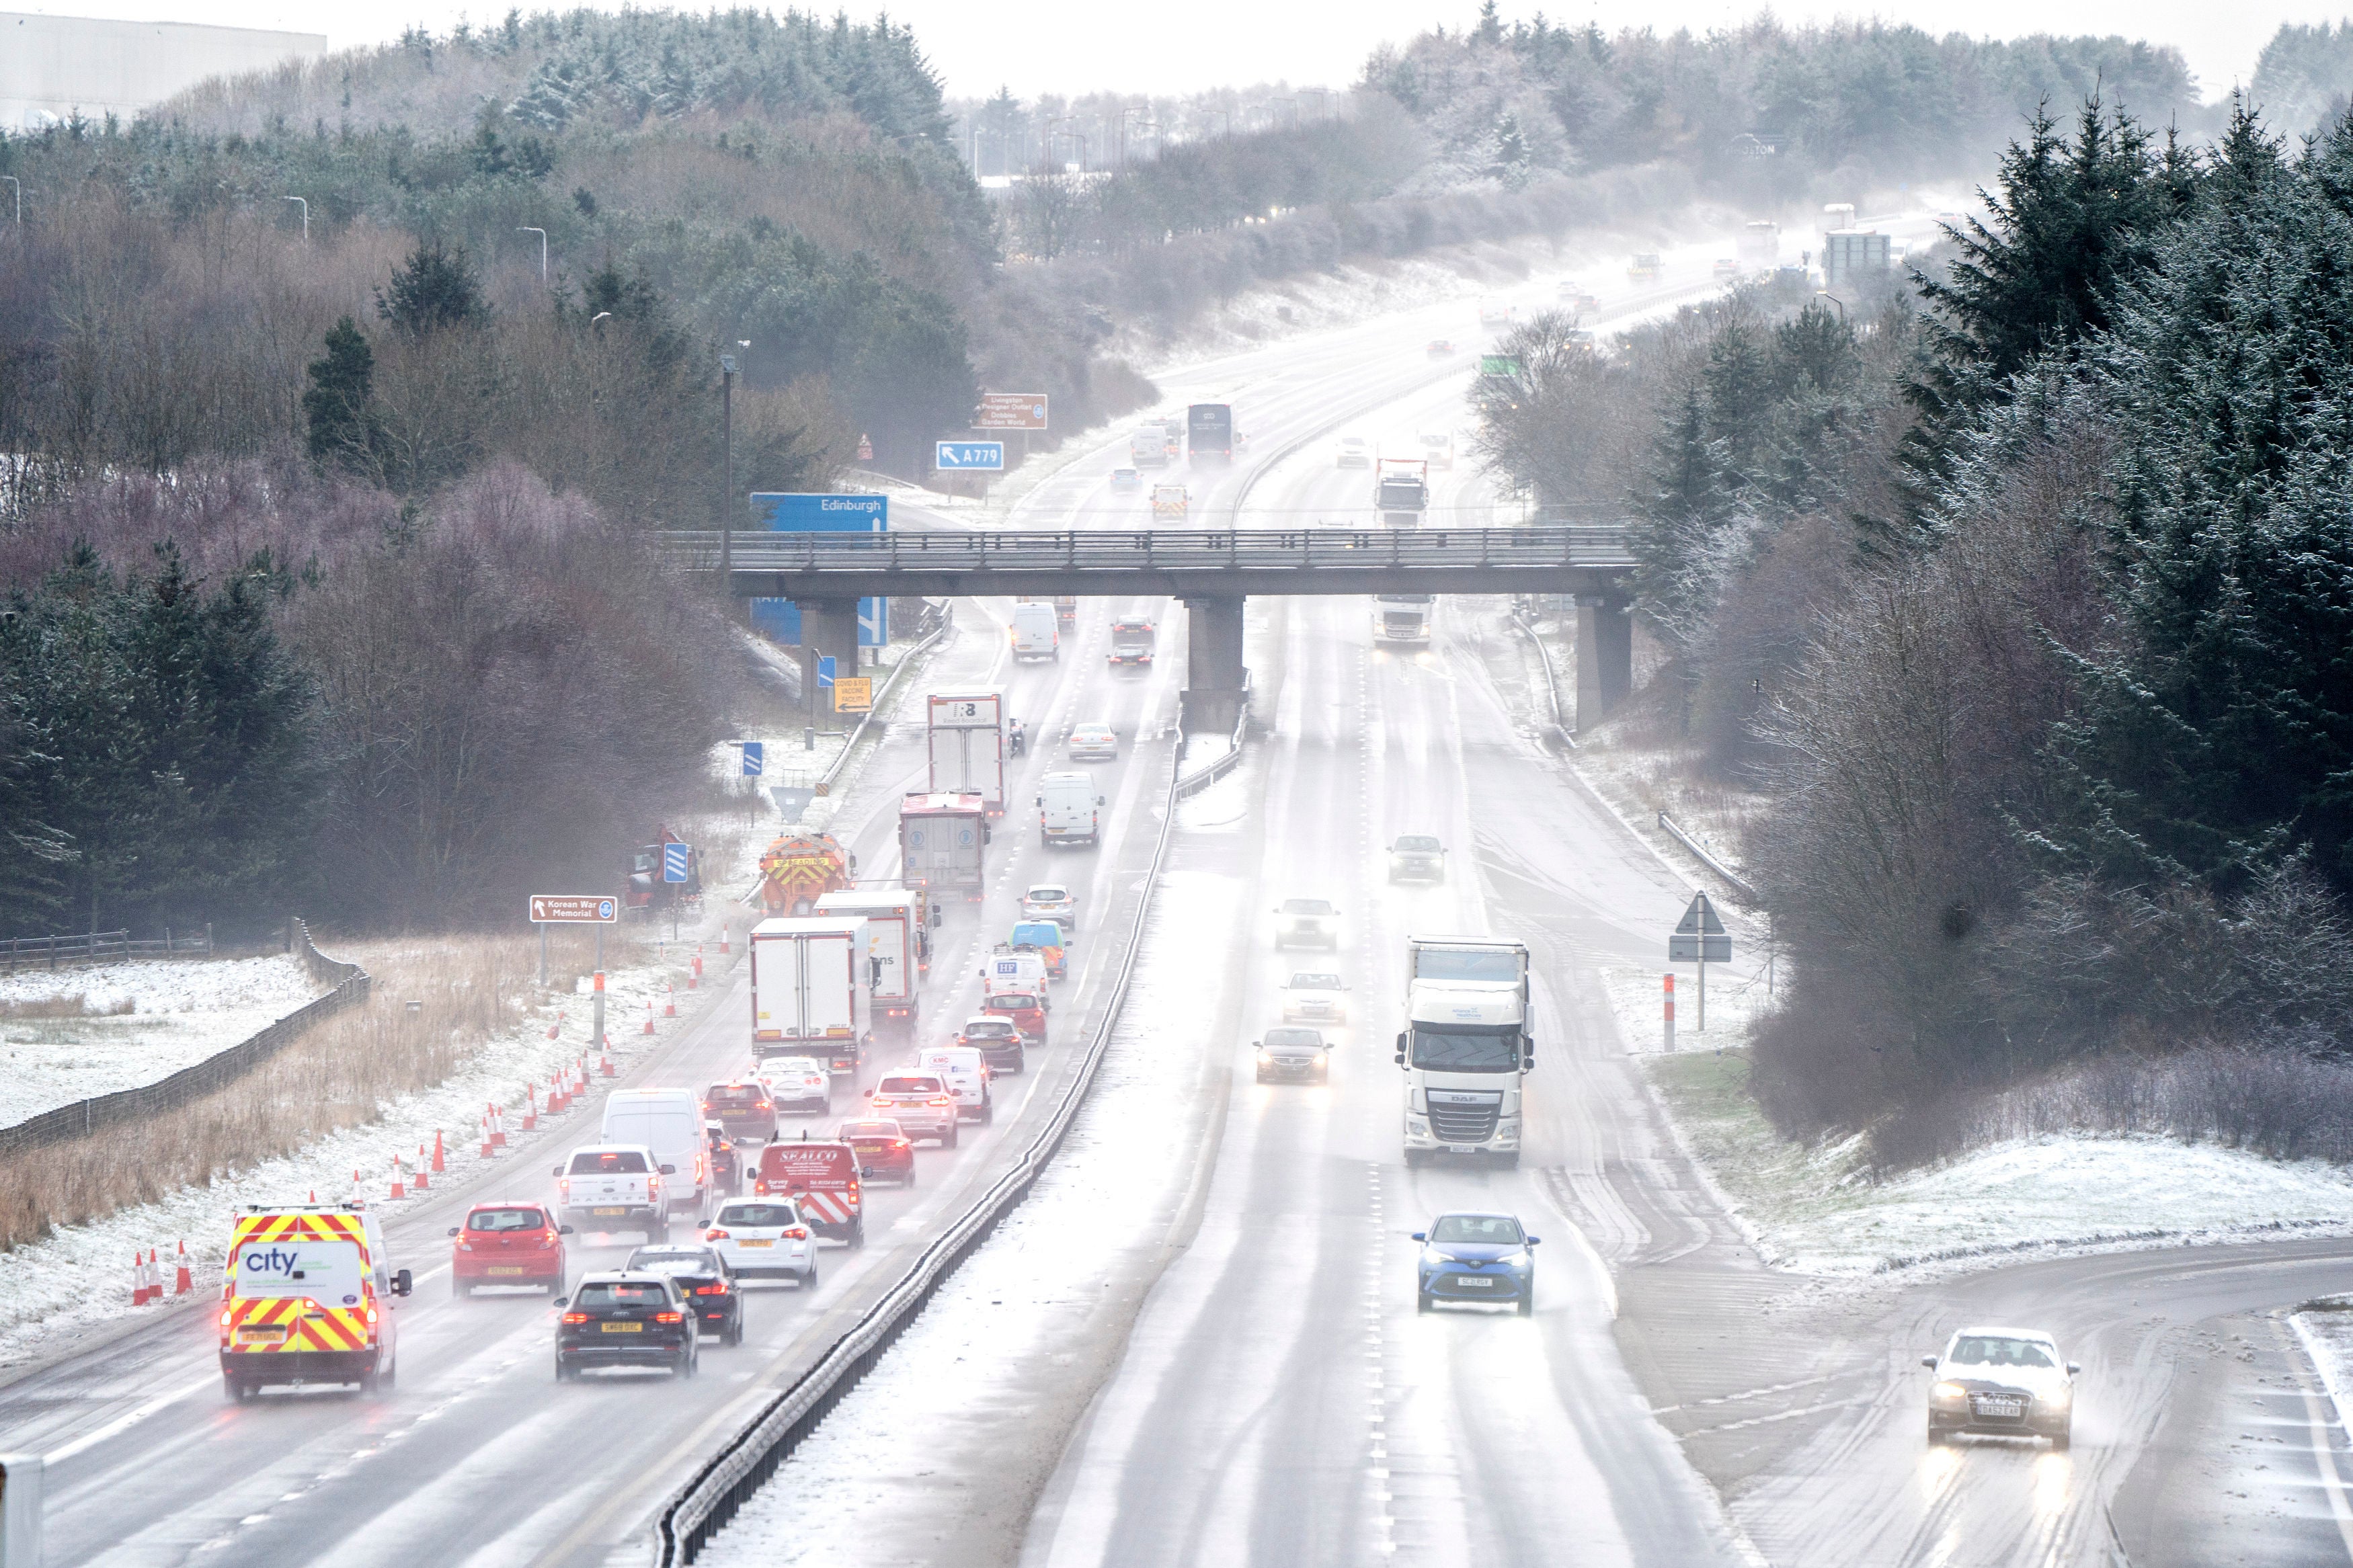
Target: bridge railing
(1153, 549)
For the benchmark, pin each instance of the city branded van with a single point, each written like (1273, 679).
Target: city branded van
(670, 1122)
(308, 1300)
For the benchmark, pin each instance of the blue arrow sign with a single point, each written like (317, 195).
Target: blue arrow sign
(824, 671)
(756, 758)
(973, 454)
(674, 862)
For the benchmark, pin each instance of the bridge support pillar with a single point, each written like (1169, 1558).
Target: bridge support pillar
(1214, 676)
(828, 630)
(1605, 656)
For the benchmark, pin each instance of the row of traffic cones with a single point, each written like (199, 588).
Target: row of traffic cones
(147, 1277)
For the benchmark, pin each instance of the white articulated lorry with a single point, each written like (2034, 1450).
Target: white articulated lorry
(1465, 1049)
(897, 941)
(966, 740)
(812, 990)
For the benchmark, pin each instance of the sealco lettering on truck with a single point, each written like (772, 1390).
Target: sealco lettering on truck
(308, 1298)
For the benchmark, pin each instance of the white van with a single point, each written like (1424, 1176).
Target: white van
(670, 1122)
(965, 1072)
(1069, 810)
(1036, 633)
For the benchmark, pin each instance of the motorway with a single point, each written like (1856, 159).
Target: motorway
(1279, 1401)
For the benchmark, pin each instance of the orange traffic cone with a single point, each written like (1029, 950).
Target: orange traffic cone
(437, 1150)
(498, 1127)
(359, 1192)
(723, 938)
(695, 979)
(649, 1017)
(531, 1108)
(607, 1059)
(138, 1279)
(670, 1006)
(487, 1151)
(184, 1281)
(420, 1184)
(399, 1187)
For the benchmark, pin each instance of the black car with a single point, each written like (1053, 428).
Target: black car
(627, 1320)
(726, 1160)
(1417, 858)
(708, 1282)
(743, 1108)
(1000, 1042)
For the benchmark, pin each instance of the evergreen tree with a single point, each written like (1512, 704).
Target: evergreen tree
(434, 289)
(1681, 516)
(335, 404)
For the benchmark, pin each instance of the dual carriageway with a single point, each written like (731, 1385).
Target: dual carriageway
(1278, 1400)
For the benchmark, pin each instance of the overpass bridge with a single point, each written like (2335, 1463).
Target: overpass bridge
(1211, 571)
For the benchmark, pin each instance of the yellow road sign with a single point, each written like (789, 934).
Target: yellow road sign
(853, 693)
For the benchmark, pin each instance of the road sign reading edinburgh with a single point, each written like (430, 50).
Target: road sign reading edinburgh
(573, 909)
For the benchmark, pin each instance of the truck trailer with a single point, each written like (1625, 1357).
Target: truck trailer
(812, 989)
(965, 734)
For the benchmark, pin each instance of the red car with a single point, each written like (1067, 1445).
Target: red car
(509, 1242)
(884, 1148)
(1026, 1011)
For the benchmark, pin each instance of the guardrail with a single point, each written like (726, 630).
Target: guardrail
(1216, 768)
(1155, 550)
(1560, 726)
(943, 618)
(747, 1460)
(86, 1117)
(100, 947)
(1709, 860)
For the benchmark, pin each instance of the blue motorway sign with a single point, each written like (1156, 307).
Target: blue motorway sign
(674, 862)
(824, 671)
(982, 455)
(781, 512)
(756, 758)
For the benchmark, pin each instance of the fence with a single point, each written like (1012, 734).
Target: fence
(101, 947)
(83, 1118)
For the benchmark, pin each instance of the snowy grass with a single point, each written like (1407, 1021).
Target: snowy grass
(75, 1034)
(1817, 1209)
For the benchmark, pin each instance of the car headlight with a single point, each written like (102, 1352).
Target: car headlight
(1515, 1259)
(1431, 1255)
(2058, 1398)
(1949, 1393)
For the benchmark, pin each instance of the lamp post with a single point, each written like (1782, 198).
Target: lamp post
(1322, 94)
(727, 479)
(1124, 113)
(1826, 294)
(526, 228)
(306, 215)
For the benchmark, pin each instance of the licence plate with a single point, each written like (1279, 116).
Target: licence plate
(501, 1269)
(1462, 1148)
(2000, 1407)
(260, 1336)
(755, 1244)
(603, 1213)
(1474, 1281)
(624, 1328)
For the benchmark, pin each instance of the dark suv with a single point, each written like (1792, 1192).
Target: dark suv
(704, 1276)
(627, 1320)
(743, 1108)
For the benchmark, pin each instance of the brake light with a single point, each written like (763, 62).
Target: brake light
(797, 1233)
(945, 1100)
(898, 1143)
(225, 1316)
(718, 1290)
(371, 1312)
(563, 1185)
(575, 1317)
(670, 1317)
(463, 1245)
(764, 1105)
(548, 1238)
(760, 1187)
(715, 1234)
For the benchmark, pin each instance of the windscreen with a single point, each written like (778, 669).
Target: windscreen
(1416, 844)
(1990, 1350)
(869, 1130)
(1013, 1001)
(1401, 492)
(1316, 983)
(609, 1163)
(1466, 1048)
(506, 1219)
(1493, 963)
(732, 1094)
(327, 1272)
(1477, 1229)
(1294, 1037)
(909, 1086)
(696, 1262)
(756, 1216)
(1047, 893)
(1306, 907)
(621, 1293)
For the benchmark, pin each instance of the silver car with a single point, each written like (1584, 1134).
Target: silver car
(1315, 998)
(1051, 902)
(2008, 1382)
(1093, 742)
(1306, 922)
(1293, 1056)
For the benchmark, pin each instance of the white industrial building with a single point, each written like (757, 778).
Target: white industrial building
(52, 66)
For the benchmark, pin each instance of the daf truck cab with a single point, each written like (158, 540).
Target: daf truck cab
(1465, 1049)
(1401, 619)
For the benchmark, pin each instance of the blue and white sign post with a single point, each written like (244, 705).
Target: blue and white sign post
(970, 456)
(756, 758)
(674, 856)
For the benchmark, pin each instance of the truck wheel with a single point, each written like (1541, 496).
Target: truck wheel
(370, 1381)
(858, 1235)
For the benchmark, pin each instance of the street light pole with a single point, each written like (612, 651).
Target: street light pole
(727, 481)
(1826, 294)
(526, 228)
(306, 216)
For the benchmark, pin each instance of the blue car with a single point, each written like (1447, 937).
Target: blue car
(1475, 1258)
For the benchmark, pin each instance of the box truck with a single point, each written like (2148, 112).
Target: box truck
(812, 987)
(966, 736)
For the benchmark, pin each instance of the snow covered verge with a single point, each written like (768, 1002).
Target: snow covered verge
(75, 1034)
(1817, 1209)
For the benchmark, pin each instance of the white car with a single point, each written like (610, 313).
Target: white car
(763, 1239)
(2003, 1382)
(1306, 922)
(800, 1086)
(1353, 452)
(921, 1103)
(1315, 998)
(1093, 742)
(965, 1072)
(1051, 902)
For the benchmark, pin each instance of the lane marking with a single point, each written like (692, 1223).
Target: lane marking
(2324, 1454)
(128, 1419)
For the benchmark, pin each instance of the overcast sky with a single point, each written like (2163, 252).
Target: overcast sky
(1063, 46)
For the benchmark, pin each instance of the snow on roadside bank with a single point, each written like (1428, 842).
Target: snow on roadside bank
(174, 1013)
(1816, 1210)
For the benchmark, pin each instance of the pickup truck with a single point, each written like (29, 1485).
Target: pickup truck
(614, 1186)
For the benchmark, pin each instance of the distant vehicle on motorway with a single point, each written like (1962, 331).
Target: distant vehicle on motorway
(627, 1320)
(1440, 348)
(1306, 922)
(1046, 939)
(1171, 500)
(1725, 270)
(1643, 269)
(1353, 452)
(703, 1279)
(824, 1182)
(1051, 902)
(1312, 996)
(884, 1148)
(1438, 446)
(614, 1186)
(1417, 858)
(1036, 631)
(999, 1040)
(1125, 480)
(1475, 1258)
(744, 1106)
(765, 1238)
(798, 1086)
(2010, 1383)
(919, 1101)
(726, 1160)
(670, 1122)
(1132, 642)
(1070, 811)
(508, 1241)
(1293, 1056)
(965, 1072)
(1093, 742)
